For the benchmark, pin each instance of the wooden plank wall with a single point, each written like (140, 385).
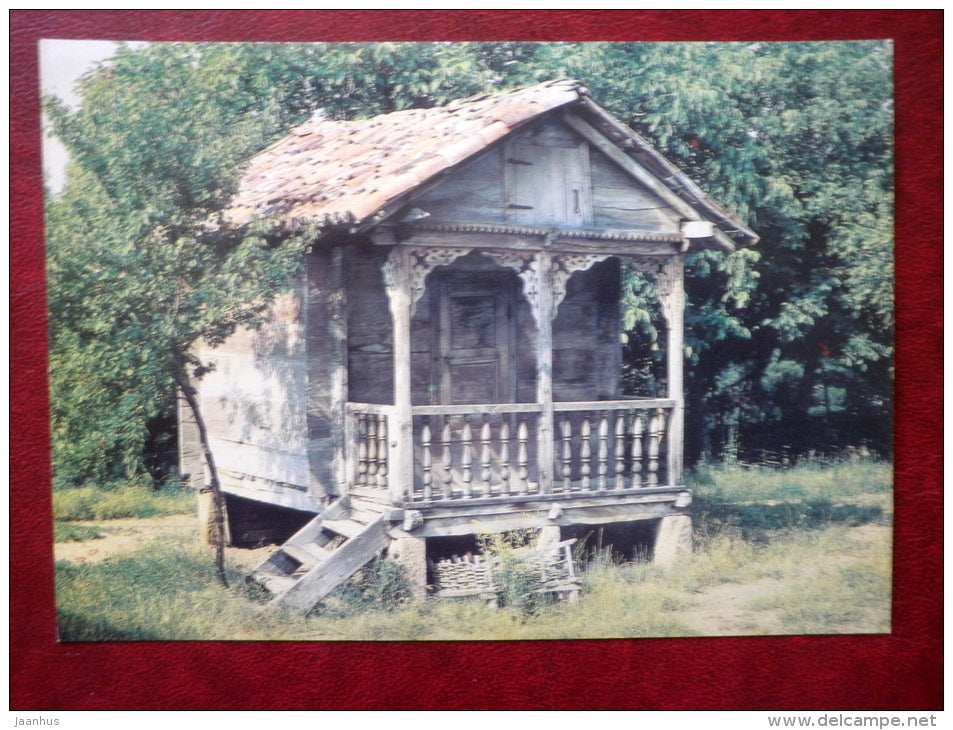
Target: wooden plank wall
(619, 201)
(474, 193)
(480, 192)
(191, 469)
(370, 341)
(587, 350)
(255, 399)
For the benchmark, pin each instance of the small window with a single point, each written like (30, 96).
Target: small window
(548, 185)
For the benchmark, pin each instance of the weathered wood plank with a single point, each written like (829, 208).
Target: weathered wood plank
(337, 375)
(626, 241)
(610, 150)
(308, 555)
(347, 559)
(400, 424)
(544, 374)
(674, 309)
(475, 192)
(640, 173)
(369, 327)
(623, 404)
(347, 528)
(477, 409)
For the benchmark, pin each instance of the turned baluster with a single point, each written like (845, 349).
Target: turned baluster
(505, 455)
(382, 452)
(637, 450)
(603, 467)
(372, 451)
(466, 462)
(522, 456)
(567, 454)
(485, 455)
(654, 439)
(426, 461)
(618, 482)
(362, 449)
(585, 455)
(447, 460)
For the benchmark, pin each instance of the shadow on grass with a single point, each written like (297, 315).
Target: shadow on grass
(73, 626)
(757, 521)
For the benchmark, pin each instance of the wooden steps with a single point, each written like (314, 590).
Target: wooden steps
(347, 528)
(324, 553)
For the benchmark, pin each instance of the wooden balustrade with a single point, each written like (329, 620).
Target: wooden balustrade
(472, 458)
(466, 452)
(367, 455)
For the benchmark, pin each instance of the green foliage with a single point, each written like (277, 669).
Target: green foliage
(137, 271)
(515, 579)
(166, 590)
(381, 585)
(757, 522)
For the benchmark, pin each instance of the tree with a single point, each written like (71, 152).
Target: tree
(796, 139)
(140, 269)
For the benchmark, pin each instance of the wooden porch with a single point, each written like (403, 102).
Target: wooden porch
(512, 453)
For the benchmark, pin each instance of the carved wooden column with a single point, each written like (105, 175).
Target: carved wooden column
(337, 333)
(545, 310)
(668, 273)
(671, 287)
(397, 280)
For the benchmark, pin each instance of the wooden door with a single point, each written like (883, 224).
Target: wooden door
(548, 185)
(475, 340)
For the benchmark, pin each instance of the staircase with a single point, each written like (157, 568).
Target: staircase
(324, 553)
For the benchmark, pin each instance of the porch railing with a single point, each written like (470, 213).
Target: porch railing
(489, 451)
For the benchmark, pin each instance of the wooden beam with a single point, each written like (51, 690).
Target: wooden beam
(439, 523)
(489, 236)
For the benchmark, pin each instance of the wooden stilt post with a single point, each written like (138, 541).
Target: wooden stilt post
(400, 432)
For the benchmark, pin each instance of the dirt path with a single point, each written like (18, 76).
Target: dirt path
(724, 610)
(738, 609)
(120, 537)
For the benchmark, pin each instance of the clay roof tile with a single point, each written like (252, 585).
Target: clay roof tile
(333, 171)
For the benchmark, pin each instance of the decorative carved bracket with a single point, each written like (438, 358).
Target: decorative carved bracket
(564, 266)
(668, 272)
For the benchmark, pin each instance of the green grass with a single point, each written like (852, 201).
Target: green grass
(819, 556)
(91, 503)
(71, 532)
(836, 481)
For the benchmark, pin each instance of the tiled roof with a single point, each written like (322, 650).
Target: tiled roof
(346, 174)
(334, 173)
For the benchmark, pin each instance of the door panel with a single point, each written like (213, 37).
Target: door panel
(549, 185)
(475, 338)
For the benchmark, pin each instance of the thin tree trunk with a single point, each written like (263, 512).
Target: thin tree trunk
(218, 500)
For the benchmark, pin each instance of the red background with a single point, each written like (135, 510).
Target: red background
(898, 671)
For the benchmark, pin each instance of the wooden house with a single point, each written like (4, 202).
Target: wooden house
(449, 361)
